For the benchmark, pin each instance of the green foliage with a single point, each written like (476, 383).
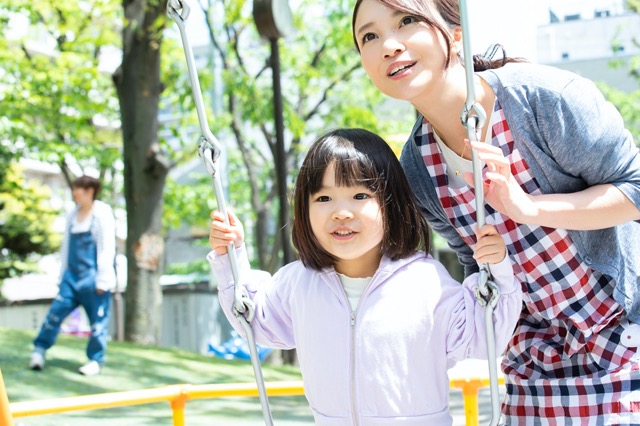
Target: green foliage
(627, 103)
(56, 101)
(323, 87)
(59, 106)
(25, 224)
(199, 267)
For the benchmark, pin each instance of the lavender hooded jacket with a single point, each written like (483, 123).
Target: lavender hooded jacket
(386, 363)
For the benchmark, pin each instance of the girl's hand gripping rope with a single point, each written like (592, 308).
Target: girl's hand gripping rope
(490, 247)
(222, 235)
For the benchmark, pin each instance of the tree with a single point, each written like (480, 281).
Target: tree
(627, 103)
(146, 166)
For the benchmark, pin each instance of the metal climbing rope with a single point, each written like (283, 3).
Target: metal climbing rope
(209, 149)
(473, 117)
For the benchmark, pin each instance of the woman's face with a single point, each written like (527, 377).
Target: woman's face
(403, 56)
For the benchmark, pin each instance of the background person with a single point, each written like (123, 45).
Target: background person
(88, 275)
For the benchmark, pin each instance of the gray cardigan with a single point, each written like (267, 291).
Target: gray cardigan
(571, 138)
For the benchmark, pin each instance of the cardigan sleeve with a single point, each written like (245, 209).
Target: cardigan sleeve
(588, 139)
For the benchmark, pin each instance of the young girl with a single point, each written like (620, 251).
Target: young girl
(563, 190)
(376, 321)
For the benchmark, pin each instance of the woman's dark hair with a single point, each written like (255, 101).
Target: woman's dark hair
(439, 14)
(361, 158)
(87, 182)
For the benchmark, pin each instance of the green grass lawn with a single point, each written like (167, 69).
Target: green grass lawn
(133, 367)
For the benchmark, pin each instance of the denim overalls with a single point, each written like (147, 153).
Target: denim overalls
(78, 287)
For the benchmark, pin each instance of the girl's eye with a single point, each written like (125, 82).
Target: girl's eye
(361, 196)
(368, 37)
(322, 199)
(409, 19)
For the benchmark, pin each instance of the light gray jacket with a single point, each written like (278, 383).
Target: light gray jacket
(571, 138)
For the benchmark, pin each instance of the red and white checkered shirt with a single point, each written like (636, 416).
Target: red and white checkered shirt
(564, 365)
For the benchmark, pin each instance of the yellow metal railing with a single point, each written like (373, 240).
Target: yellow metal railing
(178, 395)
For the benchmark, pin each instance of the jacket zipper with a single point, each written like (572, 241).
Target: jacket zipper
(353, 347)
(353, 368)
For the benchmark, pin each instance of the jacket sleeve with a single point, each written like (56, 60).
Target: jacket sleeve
(467, 331)
(271, 325)
(105, 235)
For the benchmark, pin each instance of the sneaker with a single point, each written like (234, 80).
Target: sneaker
(37, 361)
(91, 368)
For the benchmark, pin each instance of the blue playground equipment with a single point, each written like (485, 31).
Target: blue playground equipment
(237, 348)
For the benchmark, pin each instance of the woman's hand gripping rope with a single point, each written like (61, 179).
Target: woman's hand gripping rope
(501, 191)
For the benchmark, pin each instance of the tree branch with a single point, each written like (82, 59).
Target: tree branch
(325, 93)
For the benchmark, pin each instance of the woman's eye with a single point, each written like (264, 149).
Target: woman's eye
(408, 20)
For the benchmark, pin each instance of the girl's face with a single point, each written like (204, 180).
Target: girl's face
(348, 223)
(403, 56)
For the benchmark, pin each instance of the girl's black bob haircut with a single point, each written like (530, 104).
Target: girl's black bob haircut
(361, 158)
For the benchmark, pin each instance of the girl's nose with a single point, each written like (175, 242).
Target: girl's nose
(342, 214)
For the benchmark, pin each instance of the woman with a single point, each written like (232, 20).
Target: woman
(562, 185)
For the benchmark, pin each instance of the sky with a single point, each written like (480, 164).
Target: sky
(511, 23)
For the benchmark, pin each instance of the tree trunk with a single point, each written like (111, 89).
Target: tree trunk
(145, 168)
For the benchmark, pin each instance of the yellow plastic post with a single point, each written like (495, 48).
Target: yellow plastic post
(470, 388)
(6, 419)
(177, 406)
